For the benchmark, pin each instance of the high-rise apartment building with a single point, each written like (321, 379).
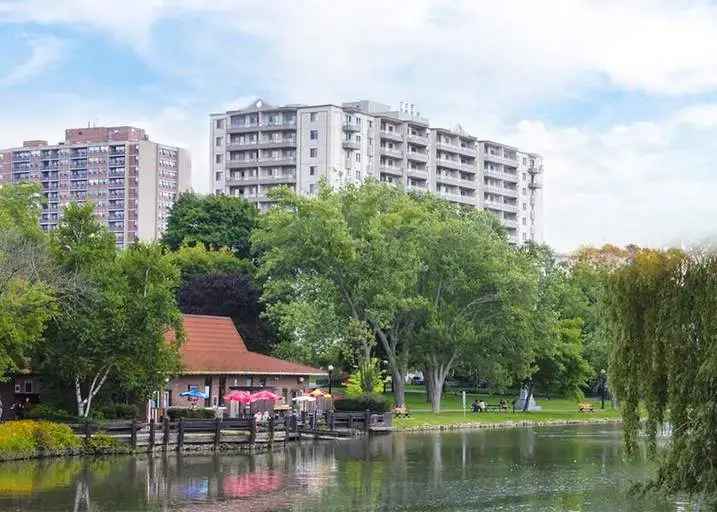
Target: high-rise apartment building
(263, 146)
(131, 180)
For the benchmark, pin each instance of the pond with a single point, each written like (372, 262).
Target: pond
(558, 468)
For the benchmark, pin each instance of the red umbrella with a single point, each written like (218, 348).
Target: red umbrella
(249, 484)
(243, 397)
(264, 395)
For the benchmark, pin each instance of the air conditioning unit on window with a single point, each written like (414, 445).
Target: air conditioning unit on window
(18, 388)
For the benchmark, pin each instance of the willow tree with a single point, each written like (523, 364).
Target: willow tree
(662, 310)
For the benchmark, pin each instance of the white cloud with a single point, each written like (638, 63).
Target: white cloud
(484, 65)
(44, 52)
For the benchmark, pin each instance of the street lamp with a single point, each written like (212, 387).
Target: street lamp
(603, 387)
(331, 370)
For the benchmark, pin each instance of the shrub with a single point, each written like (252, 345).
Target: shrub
(101, 443)
(175, 413)
(367, 401)
(54, 437)
(26, 438)
(47, 412)
(119, 411)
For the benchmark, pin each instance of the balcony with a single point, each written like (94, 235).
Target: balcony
(351, 144)
(499, 205)
(280, 178)
(417, 139)
(283, 125)
(242, 164)
(352, 127)
(389, 169)
(452, 148)
(268, 144)
(284, 160)
(417, 173)
(451, 164)
(467, 150)
(395, 153)
(510, 223)
(243, 128)
(417, 156)
(448, 180)
(394, 135)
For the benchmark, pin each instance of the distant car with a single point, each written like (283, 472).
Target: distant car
(417, 381)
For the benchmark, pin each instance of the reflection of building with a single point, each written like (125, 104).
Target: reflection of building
(216, 360)
(131, 180)
(263, 146)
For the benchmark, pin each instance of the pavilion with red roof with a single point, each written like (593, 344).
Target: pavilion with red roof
(215, 360)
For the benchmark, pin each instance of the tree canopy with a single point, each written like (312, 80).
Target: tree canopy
(216, 221)
(116, 322)
(662, 320)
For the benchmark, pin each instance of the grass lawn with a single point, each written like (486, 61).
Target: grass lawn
(556, 409)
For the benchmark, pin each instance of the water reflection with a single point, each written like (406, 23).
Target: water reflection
(576, 468)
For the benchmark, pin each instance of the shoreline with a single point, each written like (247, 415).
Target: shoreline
(503, 425)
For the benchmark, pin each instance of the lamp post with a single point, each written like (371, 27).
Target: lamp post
(331, 370)
(603, 386)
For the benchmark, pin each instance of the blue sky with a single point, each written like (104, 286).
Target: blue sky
(619, 97)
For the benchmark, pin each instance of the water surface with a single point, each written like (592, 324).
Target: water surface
(542, 469)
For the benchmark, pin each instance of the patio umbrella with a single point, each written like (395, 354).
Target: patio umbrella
(317, 393)
(304, 398)
(263, 395)
(194, 394)
(243, 397)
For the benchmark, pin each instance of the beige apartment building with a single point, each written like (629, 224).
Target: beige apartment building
(263, 146)
(132, 181)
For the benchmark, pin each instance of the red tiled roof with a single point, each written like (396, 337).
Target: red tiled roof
(213, 345)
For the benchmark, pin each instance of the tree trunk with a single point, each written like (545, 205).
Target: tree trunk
(427, 384)
(399, 387)
(438, 377)
(528, 395)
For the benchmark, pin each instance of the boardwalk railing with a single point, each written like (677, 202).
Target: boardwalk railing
(235, 431)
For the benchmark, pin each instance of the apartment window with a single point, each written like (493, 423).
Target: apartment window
(313, 152)
(358, 157)
(219, 141)
(218, 192)
(270, 172)
(525, 176)
(525, 161)
(525, 237)
(219, 124)
(312, 187)
(525, 191)
(28, 386)
(218, 158)
(218, 176)
(370, 124)
(312, 117)
(314, 135)
(312, 170)
(525, 221)
(525, 205)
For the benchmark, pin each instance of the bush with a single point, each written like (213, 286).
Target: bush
(47, 412)
(118, 411)
(367, 401)
(175, 413)
(101, 443)
(27, 438)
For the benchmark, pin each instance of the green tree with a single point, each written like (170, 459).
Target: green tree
(116, 323)
(471, 284)
(216, 221)
(358, 245)
(661, 307)
(29, 282)
(196, 260)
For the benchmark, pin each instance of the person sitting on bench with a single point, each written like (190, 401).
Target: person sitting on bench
(475, 407)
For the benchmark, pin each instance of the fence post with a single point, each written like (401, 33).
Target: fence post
(270, 424)
(151, 434)
(133, 434)
(180, 435)
(87, 431)
(366, 420)
(217, 433)
(303, 419)
(350, 421)
(252, 430)
(332, 421)
(165, 432)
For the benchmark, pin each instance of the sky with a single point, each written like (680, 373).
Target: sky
(619, 97)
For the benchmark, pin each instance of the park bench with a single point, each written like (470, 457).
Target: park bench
(401, 412)
(585, 407)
